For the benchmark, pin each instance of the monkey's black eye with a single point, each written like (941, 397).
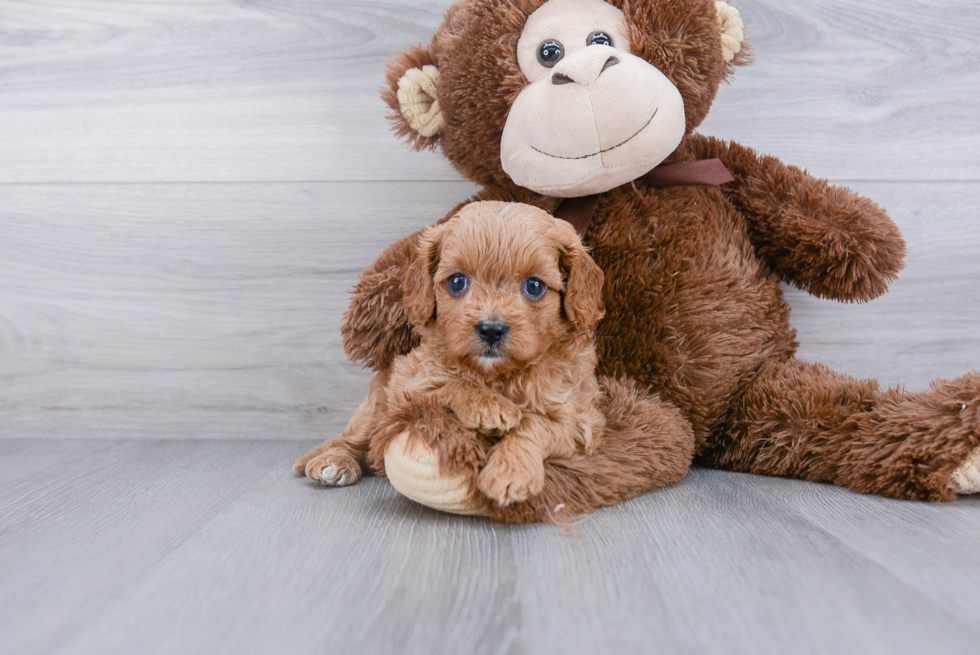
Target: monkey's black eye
(550, 53)
(598, 38)
(457, 284)
(534, 288)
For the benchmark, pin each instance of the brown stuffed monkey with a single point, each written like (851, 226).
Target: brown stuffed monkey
(588, 109)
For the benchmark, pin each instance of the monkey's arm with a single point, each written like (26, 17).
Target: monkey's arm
(376, 328)
(822, 238)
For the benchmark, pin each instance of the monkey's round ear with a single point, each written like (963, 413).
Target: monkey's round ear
(732, 34)
(412, 95)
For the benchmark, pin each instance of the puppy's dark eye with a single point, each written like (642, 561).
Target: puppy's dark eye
(534, 288)
(598, 38)
(457, 284)
(550, 53)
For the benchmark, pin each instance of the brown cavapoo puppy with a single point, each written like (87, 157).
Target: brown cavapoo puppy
(506, 301)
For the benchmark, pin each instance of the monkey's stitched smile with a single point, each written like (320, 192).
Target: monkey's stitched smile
(649, 120)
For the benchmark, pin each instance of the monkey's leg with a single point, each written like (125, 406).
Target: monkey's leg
(430, 456)
(805, 421)
(647, 443)
(339, 461)
(433, 459)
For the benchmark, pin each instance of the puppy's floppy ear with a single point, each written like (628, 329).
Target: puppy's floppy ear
(583, 282)
(419, 297)
(412, 94)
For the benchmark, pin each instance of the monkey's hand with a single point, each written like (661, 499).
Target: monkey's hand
(376, 328)
(822, 238)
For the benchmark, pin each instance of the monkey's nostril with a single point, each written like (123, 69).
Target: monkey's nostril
(612, 61)
(558, 78)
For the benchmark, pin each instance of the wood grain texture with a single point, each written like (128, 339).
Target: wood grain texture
(186, 192)
(109, 91)
(189, 310)
(178, 547)
(213, 311)
(94, 522)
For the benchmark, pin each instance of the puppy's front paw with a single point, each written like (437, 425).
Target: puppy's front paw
(510, 478)
(489, 415)
(333, 469)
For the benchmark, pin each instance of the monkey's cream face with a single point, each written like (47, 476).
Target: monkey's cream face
(593, 116)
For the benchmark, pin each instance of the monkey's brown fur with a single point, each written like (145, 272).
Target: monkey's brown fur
(694, 314)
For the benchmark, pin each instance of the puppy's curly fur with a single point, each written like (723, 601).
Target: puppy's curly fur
(506, 301)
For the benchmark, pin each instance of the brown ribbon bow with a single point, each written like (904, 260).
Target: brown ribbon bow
(579, 211)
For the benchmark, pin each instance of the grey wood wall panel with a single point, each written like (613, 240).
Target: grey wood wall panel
(189, 310)
(213, 311)
(179, 547)
(110, 91)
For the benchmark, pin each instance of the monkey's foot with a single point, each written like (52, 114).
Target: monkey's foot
(966, 479)
(414, 472)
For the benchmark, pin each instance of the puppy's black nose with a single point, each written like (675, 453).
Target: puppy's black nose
(491, 332)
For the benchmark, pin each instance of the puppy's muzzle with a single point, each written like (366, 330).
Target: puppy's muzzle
(492, 332)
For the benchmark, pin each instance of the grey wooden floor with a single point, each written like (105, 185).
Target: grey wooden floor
(145, 546)
(186, 192)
